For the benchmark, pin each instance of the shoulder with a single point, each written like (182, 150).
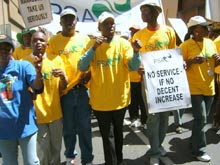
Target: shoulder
(21, 64)
(120, 39)
(55, 37)
(217, 39)
(53, 57)
(81, 36)
(167, 28)
(140, 32)
(18, 49)
(186, 43)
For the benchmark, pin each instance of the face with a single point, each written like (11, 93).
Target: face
(6, 51)
(148, 15)
(107, 28)
(38, 43)
(200, 32)
(68, 22)
(26, 39)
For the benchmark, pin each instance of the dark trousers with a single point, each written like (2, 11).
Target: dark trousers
(111, 129)
(137, 103)
(201, 106)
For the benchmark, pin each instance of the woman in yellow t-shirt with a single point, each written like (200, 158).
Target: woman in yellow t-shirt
(200, 56)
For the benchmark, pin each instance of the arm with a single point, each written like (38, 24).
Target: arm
(195, 60)
(63, 79)
(38, 82)
(135, 61)
(88, 56)
(86, 59)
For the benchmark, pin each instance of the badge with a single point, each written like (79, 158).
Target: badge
(210, 72)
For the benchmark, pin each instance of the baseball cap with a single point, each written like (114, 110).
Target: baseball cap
(153, 5)
(104, 16)
(68, 11)
(6, 39)
(197, 20)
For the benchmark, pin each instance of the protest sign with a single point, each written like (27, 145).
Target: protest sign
(35, 12)
(166, 85)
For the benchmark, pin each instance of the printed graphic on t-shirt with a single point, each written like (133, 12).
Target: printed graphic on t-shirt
(6, 82)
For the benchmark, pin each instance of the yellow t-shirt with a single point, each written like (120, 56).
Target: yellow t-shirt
(135, 76)
(47, 104)
(160, 39)
(110, 83)
(70, 50)
(217, 43)
(22, 54)
(200, 83)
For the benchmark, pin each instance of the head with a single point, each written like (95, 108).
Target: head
(6, 49)
(214, 30)
(68, 20)
(198, 28)
(38, 43)
(24, 38)
(133, 29)
(150, 12)
(106, 24)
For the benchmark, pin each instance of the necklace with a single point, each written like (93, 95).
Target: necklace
(209, 71)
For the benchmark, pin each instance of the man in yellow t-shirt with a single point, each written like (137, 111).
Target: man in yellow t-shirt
(155, 37)
(137, 101)
(47, 104)
(70, 46)
(24, 51)
(110, 58)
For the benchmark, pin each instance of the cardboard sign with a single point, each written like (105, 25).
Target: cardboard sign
(166, 84)
(35, 12)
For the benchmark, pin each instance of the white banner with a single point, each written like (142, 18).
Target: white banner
(88, 11)
(166, 84)
(127, 13)
(35, 12)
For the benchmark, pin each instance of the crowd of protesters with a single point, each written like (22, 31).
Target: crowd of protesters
(51, 85)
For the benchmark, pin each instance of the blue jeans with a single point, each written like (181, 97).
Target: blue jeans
(77, 121)
(157, 125)
(28, 145)
(201, 106)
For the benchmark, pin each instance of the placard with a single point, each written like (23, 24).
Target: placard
(165, 80)
(35, 12)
